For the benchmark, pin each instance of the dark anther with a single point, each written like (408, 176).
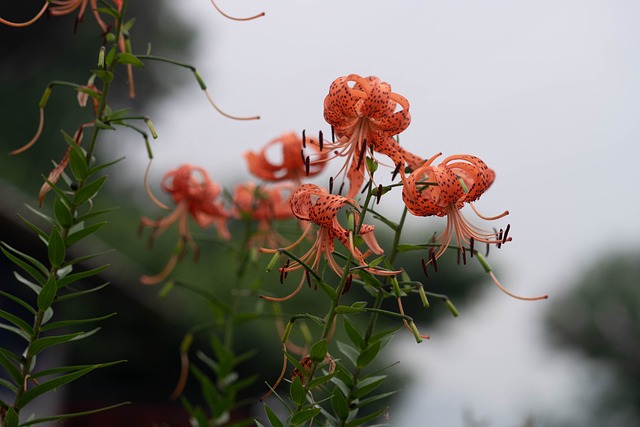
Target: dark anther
(330, 184)
(347, 284)
(396, 171)
(341, 188)
(283, 270)
(306, 165)
(499, 239)
(464, 256)
(434, 262)
(304, 138)
(471, 242)
(424, 267)
(363, 152)
(307, 276)
(506, 233)
(320, 140)
(333, 136)
(458, 257)
(379, 195)
(487, 253)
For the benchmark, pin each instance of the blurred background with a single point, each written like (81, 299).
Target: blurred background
(547, 93)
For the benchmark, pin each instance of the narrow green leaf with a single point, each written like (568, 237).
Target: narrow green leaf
(320, 381)
(76, 294)
(354, 334)
(303, 416)
(9, 362)
(17, 300)
(346, 309)
(78, 163)
(17, 321)
(66, 323)
(47, 294)
(62, 213)
(34, 267)
(105, 76)
(34, 227)
(297, 392)
(84, 232)
(367, 385)
(127, 58)
(339, 404)
(59, 192)
(368, 355)
(364, 420)
(9, 386)
(75, 277)
(331, 293)
(273, 418)
(104, 165)
(46, 386)
(56, 248)
(349, 351)
(89, 190)
(364, 402)
(318, 351)
(11, 418)
(93, 214)
(19, 332)
(63, 417)
(42, 343)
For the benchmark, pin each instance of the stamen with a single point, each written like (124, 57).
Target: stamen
(35, 137)
(379, 195)
(225, 114)
(320, 140)
(333, 136)
(471, 241)
(499, 244)
(304, 139)
(434, 261)
(506, 233)
(307, 165)
(503, 289)
(424, 267)
(362, 154)
(464, 256)
(347, 284)
(330, 185)
(29, 22)
(396, 171)
(233, 18)
(341, 188)
(307, 276)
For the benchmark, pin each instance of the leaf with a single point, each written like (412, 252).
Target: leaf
(47, 294)
(31, 267)
(297, 392)
(127, 58)
(339, 404)
(364, 420)
(17, 322)
(63, 417)
(29, 284)
(354, 334)
(11, 418)
(42, 343)
(9, 366)
(74, 277)
(84, 232)
(78, 163)
(351, 353)
(89, 190)
(66, 323)
(56, 248)
(9, 386)
(368, 355)
(364, 402)
(318, 351)
(34, 227)
(367, 385)
(320, 381)
(44, 387)
(17, 331)
(345, 309)
(62, 213)
(81, 293)
(304, 415)
(273, 418)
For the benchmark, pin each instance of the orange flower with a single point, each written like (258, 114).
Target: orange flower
(363, 116)
(444, 189)
(263, 205)
(314, 204)
(293, 165)
(194, 195)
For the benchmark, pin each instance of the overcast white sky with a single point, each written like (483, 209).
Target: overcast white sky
(546, 92)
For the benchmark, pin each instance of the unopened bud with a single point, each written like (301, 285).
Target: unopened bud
(423, 297)
(101, 58)
(152, 128)
(452, 308)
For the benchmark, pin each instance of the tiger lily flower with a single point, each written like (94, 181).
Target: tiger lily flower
(363, 116)
(293, 166)
(264, 205)
(195, 195)
(443, 190)
(317, 206)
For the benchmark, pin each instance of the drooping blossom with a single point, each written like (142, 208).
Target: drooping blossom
(317, 206)
(195, 195)
(293, 165)
(443, 190)
(362, 113)
(264, 205)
